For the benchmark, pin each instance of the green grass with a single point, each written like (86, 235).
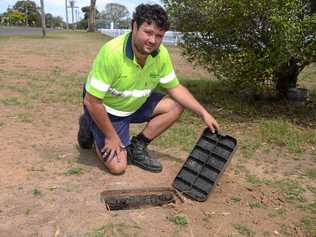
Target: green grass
(280, 211)
(312, 189)
(256, 204)
(45, 88)
(100, 232)
(74, 171)
(310, 136)
(253, 179)
(308, 74)
(244, 230)
(179, 219)
(249, 147)
(25, 117)
(36, 192)
(236, 199)
(308, 224)
(218, 94)
(282, 133)
(292, 190)
(311, 173)
(115, 230)
(11, 101)
(183, 134)
(28, 211)
(311, 207)
(239, 106)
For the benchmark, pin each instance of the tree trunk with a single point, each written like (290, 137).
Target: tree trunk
(91, 21)
(286, 77)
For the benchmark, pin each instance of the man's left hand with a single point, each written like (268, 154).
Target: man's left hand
(210, 121)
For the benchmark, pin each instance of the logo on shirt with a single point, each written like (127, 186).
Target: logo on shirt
(154, 75)
(115, 92)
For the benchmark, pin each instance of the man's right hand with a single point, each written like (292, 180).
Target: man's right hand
(113, 146)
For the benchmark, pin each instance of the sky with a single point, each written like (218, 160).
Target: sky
(57, 7)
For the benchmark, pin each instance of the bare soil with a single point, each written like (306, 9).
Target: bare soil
(40, 197)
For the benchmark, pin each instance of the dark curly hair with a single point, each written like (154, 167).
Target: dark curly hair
(151, 14)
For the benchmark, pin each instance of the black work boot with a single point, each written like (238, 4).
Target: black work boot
(138, 155)
(85, 137)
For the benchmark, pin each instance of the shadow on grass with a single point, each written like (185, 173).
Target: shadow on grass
(239, 107)
(89, 158)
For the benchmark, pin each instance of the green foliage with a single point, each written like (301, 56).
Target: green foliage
(250, 43)
(86, 12)
(16, 17)
(31, 10)
(27, 13)
(53, 22)
(83, 24)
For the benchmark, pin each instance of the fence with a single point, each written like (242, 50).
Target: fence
(171, 37)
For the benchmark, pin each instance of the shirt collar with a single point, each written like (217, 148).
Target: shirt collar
(129, 49)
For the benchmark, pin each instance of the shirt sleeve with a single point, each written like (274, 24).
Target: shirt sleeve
(101, 75)
(168, 78)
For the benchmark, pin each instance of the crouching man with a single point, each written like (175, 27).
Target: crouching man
(119, 91)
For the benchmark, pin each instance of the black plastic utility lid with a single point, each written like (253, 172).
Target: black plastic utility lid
(205, 164)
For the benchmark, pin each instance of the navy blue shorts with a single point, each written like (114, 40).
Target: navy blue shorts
(121, 124)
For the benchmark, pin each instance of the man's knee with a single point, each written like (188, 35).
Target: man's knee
(168, 105)
(117, 168)
(118, 164)
(175, 107)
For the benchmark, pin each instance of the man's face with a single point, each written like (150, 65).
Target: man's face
(147, 38)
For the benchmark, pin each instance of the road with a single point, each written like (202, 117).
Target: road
(14, 30)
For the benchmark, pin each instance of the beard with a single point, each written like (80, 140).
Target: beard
(142, 50)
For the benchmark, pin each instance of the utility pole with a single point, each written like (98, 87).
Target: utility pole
(26, 17)
(43, 18)
(72, 6)
(66, 7)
